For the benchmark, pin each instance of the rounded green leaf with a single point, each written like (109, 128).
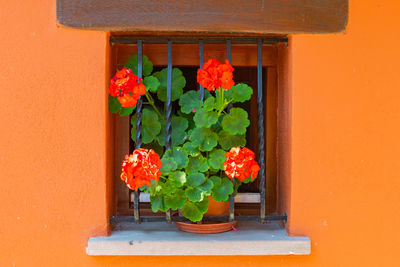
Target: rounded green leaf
(113, 104)
(194, 194)
(151, 83)
(175, 201)
(204, 118)
(236, 122)
(168, 165)
(194, 210)
(179, 155)
(178, 178)
(195, 179)
(133, 65)
(126, 111)
(216, 159)
(204, 138)
(209, 104)
(227, 140)
(178, 133)
(190, 101)
(241, 93)
(221, 191)
(190, 149)
(150, 126)
(178, 83)
(157, 203)
(215, 179)
(206, 187)
(197, 164)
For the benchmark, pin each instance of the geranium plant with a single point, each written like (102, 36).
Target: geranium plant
(207, 141)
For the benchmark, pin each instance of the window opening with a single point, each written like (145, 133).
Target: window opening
(260, 119)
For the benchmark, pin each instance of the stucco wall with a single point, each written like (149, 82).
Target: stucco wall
(345, 132)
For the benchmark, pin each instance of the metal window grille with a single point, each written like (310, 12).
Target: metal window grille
(262, 218)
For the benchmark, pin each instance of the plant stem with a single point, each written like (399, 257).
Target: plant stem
(151, 102)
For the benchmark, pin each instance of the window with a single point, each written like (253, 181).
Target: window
(185, 55)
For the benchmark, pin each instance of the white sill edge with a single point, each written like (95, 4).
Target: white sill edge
(158, 238)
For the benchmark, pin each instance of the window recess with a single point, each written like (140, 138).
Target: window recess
(255, 62)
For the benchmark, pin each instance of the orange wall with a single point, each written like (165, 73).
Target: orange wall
(345, 98)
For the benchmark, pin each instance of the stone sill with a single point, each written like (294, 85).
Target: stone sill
(160, 238)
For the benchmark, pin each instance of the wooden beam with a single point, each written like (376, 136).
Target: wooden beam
(205, 16)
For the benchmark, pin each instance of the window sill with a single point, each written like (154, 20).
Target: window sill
(158, 238)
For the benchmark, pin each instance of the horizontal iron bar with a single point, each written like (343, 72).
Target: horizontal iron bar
(268, 218)
(239, 198)
(241, 40)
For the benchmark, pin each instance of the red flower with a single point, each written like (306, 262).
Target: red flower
(140, 167)
(240, 163)
(215, 75)
(127, 87)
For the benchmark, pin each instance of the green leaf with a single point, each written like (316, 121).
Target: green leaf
(157, 203)
(126, 111)
(190, 149)
(236, 122)
(178, 83)
(178, 133)
(113, 104)
(227, 140)
(176, 200)
(204, 118)
(194, 210)
(241, 93)
(194, 194)
(195, 179)
(209, 104)
(150, 126)
(204, 138)
(133, 65)
(168, 165)
(178, 178)
(216, 158)
(215, 179)
(189, 101)
(222, 190)
(206, 187)
(155, 146)
(151, 83)
(179, 155)
(168, 187)
(197, 164)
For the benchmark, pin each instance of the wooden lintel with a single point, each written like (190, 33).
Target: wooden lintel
(232, 17)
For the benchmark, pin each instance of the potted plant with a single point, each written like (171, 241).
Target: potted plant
(207, 141)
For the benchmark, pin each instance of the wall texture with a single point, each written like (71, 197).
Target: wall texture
(344, 187)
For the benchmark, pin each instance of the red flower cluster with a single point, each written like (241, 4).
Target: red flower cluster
(240, 163)
(140, 167)
(215, 75)
(126, 87)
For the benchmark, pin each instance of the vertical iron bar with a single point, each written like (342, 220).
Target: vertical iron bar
(138, 129)
(228, 51)
(168, 109)
(260, 114)
(232, 196)
(201, 54)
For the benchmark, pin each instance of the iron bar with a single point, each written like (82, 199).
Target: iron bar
(138, 128)
(260, 115)
(232, 196)
(201, 54)
(194, 40)
(206, 218)
(168, 109)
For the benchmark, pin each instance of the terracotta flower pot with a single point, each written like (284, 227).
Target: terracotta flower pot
(210, 227)
(216, 208)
